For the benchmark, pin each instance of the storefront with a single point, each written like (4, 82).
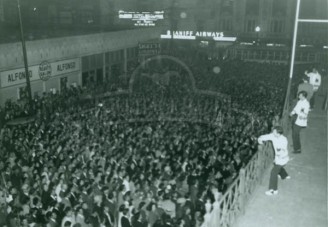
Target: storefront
(94, 59)
(45, 77)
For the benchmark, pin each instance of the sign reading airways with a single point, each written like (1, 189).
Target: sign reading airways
(44, 71)
(191, 35)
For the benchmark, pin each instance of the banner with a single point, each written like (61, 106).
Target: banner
(43, 71)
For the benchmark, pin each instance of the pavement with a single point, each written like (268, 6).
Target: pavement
(302, 200)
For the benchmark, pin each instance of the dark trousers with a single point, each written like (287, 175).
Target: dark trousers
(276, 170)
(312, 100)
(296, 137)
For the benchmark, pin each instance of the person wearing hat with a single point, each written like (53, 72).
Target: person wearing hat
(307, 87)
(280, 146)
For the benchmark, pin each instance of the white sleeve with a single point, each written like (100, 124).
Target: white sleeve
(263, 138)
(296, 108)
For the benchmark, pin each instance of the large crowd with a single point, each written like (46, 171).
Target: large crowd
(150, 158)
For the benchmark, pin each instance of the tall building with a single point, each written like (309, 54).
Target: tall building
(274, 18)
(1, 11)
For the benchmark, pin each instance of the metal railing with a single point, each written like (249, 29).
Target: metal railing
(234, 201)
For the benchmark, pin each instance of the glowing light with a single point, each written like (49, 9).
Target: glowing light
(183, 15)
(216, 69)
(246, 44)
(231, 39)
(304, 45)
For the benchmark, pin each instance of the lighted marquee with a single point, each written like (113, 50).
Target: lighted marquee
(142, 18)
(191, 35)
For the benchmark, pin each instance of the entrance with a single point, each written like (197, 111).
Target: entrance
(63, 84)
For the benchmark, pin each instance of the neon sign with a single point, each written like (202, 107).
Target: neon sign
(143, 18)
(191, 35)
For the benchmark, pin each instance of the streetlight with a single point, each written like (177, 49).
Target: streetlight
(257, 30)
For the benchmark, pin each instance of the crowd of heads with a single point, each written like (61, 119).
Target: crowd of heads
(152, 158)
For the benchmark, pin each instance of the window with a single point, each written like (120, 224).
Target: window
(107, 60)
(250, 25)
(85, 77)
(245, 54)
(311, 57)
(100, 76)
(238, 54)
(252, 7)
(279, 7)
(277, 26)
(92, 61)
(200, 25)
(63, 84)
(271, 55)
(21, 93)
(226, 24)
(85, 63)
(107, 73)
(257, 55)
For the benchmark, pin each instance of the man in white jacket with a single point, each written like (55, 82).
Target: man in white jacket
(301, 109)
(280, 146)
(315, 81)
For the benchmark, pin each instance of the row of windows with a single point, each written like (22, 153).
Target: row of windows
(274, 55)
(226, 24)
(114, 57)
(96, 61)
(92, 66)
(277, 26)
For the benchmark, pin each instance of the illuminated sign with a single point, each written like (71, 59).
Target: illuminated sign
(143, 18)
(191, 35)
(149, 48)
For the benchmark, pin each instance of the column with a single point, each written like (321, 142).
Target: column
(104, 67)
(125, 61)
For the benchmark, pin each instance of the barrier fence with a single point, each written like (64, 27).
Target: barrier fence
(234, 201)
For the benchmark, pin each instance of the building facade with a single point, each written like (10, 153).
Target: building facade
(55, 64)
(275, 19)
(1, 12)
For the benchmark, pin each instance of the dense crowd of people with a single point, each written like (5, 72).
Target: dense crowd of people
(125, 147)
(152, 158)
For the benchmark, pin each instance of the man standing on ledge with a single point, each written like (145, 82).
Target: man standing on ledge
(280, 146)
(301, 109)
(315, 81)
